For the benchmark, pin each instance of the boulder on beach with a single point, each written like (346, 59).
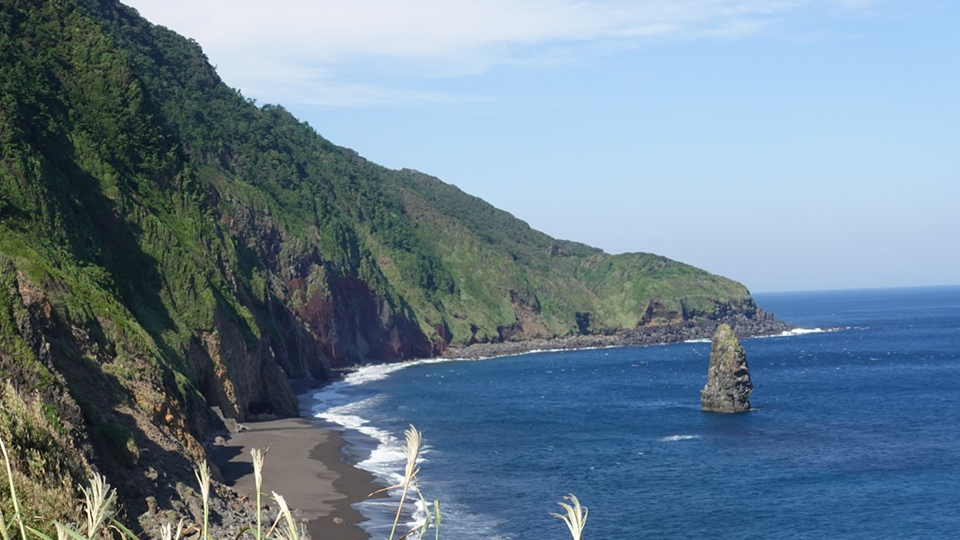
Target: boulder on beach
(728, 385)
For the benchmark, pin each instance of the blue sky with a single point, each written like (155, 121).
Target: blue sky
(788, 144)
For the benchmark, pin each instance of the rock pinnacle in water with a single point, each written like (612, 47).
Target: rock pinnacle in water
(728, 380)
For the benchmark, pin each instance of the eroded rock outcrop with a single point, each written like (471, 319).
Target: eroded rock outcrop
(728, 385)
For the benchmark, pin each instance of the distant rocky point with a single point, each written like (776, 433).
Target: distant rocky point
(728, 385)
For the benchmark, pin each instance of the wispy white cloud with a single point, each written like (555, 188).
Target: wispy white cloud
(304, 49)
(317, 88)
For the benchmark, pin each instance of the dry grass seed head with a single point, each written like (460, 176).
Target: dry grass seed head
(257, 456)
(292, 531)
(99, 504)
(203, 478)
(13, 492)
(167, 531)
(412, 450)
(62, 533)
(284, 533)
(575, 517)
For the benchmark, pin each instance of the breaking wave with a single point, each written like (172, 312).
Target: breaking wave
(673, 438)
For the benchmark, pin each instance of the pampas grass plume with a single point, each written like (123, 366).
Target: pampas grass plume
(575, 517)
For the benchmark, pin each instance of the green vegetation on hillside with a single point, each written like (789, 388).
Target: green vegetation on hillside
(167, 246)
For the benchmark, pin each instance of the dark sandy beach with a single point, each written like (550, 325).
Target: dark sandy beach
(305, 464)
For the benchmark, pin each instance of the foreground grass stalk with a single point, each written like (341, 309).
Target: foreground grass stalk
(4, 535)
(179, 533)
(62, 531)
(285, 512)
(125, 532)
(203, 476)
(166, 531)
(13, 494)
(257, 456)
(99, 504)
(436, 515)
(412, 451)
(403, 497)
(427, 521)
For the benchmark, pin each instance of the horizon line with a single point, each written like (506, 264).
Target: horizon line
(850, 289)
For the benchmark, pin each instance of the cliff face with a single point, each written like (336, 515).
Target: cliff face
(168, 247)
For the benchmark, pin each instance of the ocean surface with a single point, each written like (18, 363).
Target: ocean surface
(855, 432)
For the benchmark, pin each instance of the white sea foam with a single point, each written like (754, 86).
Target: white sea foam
(786, 333)
(378, 372)
(801, 332)
(386, 458)
(673, 438)
(372, 373)
(339, 404)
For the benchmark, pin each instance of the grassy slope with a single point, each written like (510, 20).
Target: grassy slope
(485, 246)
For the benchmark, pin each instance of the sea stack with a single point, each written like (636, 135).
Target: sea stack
(728, 386)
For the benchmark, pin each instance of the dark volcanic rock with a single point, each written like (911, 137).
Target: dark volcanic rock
(757, 323)
(728, 381)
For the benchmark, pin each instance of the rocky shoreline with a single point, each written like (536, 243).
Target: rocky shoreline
(760, 324)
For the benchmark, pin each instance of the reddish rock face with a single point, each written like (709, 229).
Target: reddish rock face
(326, 317)
(353, 323)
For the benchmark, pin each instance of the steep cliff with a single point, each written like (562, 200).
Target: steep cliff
(172, 254)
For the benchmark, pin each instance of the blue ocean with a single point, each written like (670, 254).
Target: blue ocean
(855, 432)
